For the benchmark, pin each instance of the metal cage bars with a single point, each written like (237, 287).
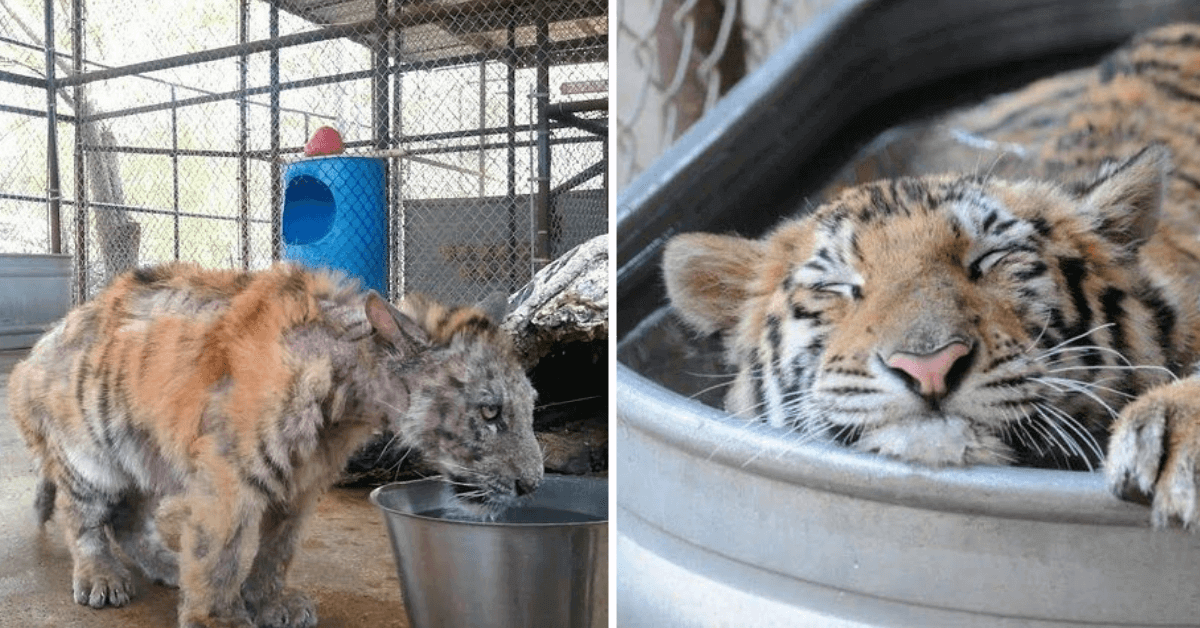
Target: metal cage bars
(549, 117)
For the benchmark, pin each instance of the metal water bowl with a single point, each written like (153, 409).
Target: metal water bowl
(542, 563)
(724, 523)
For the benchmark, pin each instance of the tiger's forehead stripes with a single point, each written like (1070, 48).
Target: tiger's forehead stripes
(879, 201)
(978, 214)
(989, 223)
(972, 210)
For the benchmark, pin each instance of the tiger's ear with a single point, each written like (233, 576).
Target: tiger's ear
(1126, 198)
(393, 325)
(495, 305)
(708, 277)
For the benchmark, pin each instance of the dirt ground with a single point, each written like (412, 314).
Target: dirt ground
(345, 562)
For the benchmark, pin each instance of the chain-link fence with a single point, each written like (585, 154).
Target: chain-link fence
(180, 135)
(676, 58)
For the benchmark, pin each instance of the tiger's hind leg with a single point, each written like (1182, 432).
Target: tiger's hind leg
(270, 603)
(99, 578)
(134, 529)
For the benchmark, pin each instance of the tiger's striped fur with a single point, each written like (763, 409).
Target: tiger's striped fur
(237, 397)
(974, 318)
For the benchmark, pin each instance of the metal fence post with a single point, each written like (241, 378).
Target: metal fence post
(82, 113)
(515, 279)
(396, 216)
(53, 193)
(243, 136)
(276, 167)
(541, 217)
(175, 171)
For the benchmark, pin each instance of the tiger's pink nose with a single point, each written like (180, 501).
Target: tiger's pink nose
(928, 373)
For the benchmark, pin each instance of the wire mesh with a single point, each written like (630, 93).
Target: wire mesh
(676, 58)
(23, 224)
(177, 138)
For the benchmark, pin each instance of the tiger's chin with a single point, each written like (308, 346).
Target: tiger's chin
(935, 442)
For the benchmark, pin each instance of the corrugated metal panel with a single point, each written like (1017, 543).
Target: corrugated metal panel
(35, 291)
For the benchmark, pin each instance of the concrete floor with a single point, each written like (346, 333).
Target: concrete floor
(345, 563)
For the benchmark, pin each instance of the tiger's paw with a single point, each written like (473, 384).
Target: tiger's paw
(290, 609)
(102, 584)
(160, 564)
(1154, 452)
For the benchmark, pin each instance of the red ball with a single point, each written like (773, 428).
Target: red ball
(325, 141)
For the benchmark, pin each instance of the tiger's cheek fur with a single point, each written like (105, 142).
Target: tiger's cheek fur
(446, 428)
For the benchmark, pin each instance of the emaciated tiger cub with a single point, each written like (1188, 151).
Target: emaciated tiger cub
(958, 319)
(238, 397)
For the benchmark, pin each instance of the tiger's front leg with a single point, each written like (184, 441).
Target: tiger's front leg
(218, 543)
(271, 604)
(1154, 453)
(99, 578)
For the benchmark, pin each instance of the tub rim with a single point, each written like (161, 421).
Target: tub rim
(1077, 497)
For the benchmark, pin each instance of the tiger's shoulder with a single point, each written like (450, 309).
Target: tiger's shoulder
(1069, 126)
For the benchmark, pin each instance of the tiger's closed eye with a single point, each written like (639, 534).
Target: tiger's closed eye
(489, 412)
(843, 289)
(993, 258)
(990, 259)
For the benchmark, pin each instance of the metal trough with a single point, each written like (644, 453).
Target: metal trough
(35, 291)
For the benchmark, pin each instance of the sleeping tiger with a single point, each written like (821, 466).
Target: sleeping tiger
(1050, 319)
(235, 398)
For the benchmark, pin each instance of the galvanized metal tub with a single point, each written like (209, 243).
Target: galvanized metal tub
(522, 571)
(35, 291)
(724, 524)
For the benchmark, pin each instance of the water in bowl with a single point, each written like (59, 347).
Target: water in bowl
(522, 514)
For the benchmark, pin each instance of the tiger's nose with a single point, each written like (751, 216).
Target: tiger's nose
(933, 374)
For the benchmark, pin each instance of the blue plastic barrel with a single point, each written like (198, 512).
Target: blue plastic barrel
(335, 216)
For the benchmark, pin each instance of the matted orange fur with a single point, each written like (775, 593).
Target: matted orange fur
(978, 319)
(235, 398)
